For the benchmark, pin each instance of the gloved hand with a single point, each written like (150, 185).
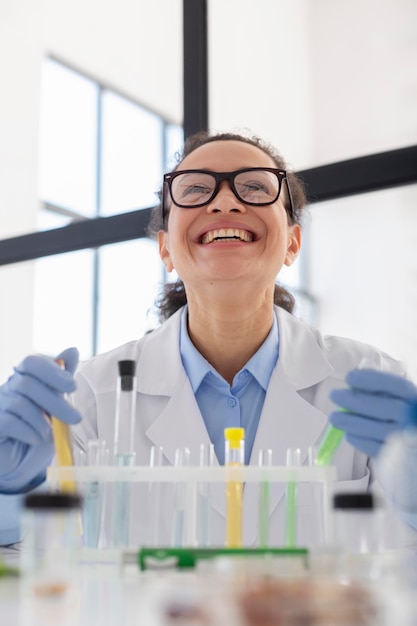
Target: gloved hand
(375, 405)
(33, 392)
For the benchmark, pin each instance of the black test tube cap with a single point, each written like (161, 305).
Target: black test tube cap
(127, 370)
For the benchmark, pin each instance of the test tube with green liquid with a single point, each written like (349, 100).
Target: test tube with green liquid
(265, 460)
(331, 440)
(333, 436)
(293, 460)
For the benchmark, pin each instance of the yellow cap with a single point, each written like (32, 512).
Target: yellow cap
(234, 436)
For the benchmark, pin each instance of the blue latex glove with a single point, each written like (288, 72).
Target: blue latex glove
(375, 405)
(34, 390)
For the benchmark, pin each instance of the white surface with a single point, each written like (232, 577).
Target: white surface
(105, 595)
(102, 595)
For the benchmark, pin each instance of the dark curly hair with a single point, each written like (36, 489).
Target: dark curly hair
(173, 295)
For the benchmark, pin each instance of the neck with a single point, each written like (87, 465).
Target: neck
(228, 334)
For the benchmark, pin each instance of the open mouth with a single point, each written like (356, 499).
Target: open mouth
(227, 234)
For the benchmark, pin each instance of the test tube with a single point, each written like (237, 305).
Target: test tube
(320, 520)
(334, 436)
(125, 422)
(331, 441)
(234, 456)
(182, 459)
(97, 454)
(264, 460)
(63, 449)
(206, 460)
(80, 457)
(154, 493)
(124, 446)
(293, 459)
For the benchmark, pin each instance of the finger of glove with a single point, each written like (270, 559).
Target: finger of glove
(43, 397)
(379, 407)
(47, 372)
(370, 447)
(20, 464)
(22, 420)
(382, 382)
(11, 455)
(357, 425)
(70, 356)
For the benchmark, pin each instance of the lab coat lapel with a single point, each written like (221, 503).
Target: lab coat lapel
(180, 424)
(163, 379)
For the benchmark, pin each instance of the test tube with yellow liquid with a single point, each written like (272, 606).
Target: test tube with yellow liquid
(63, 449)
(234, 440)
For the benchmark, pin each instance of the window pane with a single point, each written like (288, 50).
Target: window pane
(174, 139)
(67, 161)
(132, 156)
(130, 276)
(63, 303)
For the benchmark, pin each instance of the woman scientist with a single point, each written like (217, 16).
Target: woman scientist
(233, 355)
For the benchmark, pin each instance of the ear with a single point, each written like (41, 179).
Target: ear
(164, 253)
(294, 244)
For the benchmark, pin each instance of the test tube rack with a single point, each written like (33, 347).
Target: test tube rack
(191, 477)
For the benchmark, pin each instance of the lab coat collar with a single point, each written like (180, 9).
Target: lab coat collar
(301, 357)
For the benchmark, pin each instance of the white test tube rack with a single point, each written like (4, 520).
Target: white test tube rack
(192, 476)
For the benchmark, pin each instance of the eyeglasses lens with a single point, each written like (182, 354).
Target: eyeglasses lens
(257, 186)
(193, 188)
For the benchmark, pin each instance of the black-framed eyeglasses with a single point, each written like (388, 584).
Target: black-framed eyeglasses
(256, 186)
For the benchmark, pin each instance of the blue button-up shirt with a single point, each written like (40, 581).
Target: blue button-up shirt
(221, 405)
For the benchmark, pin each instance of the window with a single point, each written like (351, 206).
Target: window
(100, 154)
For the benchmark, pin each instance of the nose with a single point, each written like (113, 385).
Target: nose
(225, 201)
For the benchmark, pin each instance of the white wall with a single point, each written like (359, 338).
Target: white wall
(260, 72)
(363, 269)
(362, 254)
(322, 80)
(363, 62)
(20, 58)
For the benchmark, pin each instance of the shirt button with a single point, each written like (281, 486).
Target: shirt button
(231, 402)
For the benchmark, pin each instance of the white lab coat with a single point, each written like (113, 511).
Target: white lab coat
(294, 415)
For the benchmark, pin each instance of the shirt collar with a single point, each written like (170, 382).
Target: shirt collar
(260, 365)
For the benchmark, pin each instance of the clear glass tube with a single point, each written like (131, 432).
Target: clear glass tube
(182, 459)
(125, 420)
(293, 459)
(124, 449)
(204, 496)
(264, 460)
(97, 455)
(154, 494)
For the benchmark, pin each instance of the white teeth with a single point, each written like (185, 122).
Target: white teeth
(226, 233)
